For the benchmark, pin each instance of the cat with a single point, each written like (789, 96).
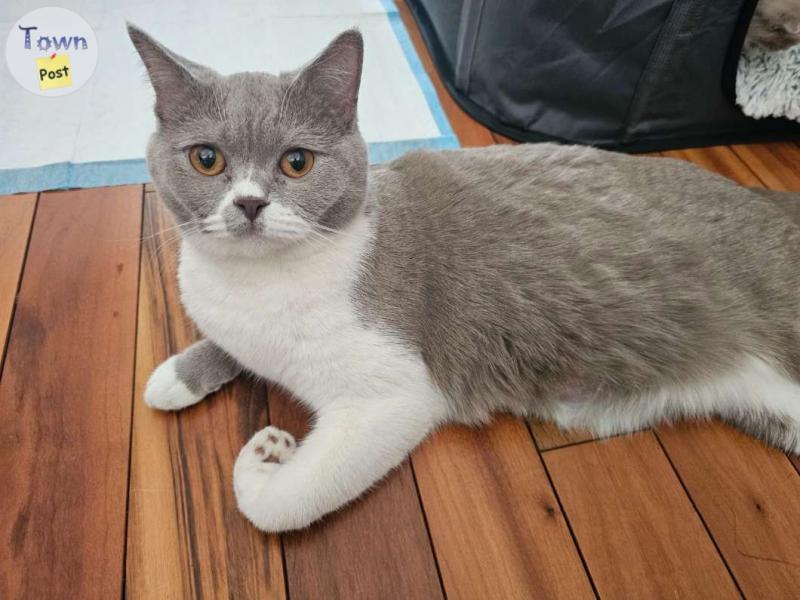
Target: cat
(775, 25)
(590, 288)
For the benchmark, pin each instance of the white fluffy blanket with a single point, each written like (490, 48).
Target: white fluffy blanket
(768, 83)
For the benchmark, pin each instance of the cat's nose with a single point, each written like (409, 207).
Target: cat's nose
(250, 206)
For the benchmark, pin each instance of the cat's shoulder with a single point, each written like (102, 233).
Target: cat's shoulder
(516, 161)
(501, 167)
(418, 161)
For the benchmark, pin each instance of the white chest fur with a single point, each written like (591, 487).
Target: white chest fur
(293, 321)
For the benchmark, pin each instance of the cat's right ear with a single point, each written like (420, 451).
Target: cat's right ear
(177, 81)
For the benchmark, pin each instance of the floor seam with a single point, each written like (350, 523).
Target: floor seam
(7, 341)
(550, 481)
(133, 400)
(698, 513)
(427, 527)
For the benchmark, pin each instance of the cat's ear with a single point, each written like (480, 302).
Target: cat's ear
(793, 27)
(330, 82)
(177, 81)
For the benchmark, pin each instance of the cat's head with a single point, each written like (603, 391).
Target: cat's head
(775, 24)
(253, 163)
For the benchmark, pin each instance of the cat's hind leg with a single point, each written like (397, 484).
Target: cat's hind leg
(755, 397)
(186, 378)
(605, 417)
(765, 404)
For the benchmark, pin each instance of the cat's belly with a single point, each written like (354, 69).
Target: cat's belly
(308, 340)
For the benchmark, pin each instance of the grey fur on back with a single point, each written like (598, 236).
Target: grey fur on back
(535, 273)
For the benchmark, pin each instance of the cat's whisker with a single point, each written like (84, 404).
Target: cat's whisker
(286, 232)
(339, 232)
(177, 227)
(165, 245)
(309, 222)
(296, 224)
(175, 232)
(293, 223)
(318, 236)
(330, 229)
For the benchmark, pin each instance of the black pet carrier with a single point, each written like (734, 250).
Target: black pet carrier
(631, 75)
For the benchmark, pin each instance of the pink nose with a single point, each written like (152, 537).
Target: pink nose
(250, 206)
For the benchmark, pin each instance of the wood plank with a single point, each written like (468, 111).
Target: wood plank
(549, 435)
(718, 159)
(16, 216)
(467, 129)
(377, 547)
(186, 537)
(636, 528)
(748, 496)
(65, 398)
(796, 462)
(499, 138)
(496, 525)
(776, 165)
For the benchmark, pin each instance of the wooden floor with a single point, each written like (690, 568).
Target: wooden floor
(103, 497)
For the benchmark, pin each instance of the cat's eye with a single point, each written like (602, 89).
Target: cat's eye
(207, 160)
(296, 163)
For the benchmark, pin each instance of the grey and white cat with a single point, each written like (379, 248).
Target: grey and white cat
(589, 288)
(775, 24)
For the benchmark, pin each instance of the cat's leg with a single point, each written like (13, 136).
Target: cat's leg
(268, 447)
(607, 416)
(186, 378)
(755, 397)
(353, 445)
(766, 405)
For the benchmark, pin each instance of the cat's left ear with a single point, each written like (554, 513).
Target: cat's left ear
(330, 83)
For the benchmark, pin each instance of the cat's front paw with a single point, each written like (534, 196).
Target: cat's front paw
(264, 454)
(166, 391)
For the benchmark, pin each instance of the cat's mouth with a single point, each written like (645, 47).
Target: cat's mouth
(254, 233)
(249, 232)
(215, 226)
(269, 229)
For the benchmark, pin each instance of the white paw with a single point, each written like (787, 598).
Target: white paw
(264, 454)
(165, 391)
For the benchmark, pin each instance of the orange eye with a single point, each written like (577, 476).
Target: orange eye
(207, 160)
(296, 163)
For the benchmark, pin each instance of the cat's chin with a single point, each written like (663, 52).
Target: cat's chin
(248, 244)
